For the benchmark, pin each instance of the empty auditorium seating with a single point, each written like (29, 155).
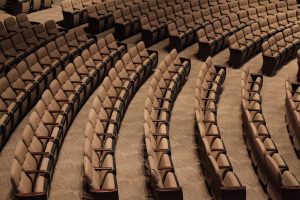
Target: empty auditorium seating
(55, 70)
(98, 18)
(125, 23)
(71, 16)
(211, 16)
(280, 48)
(98, 14)
(78, 5)
(222, 181)
(105, 117)
(248, 41)
(270, 166)
(168, 79)
(96, 21)
(34, 72)
(154, 27)
(20, 37)
(130, 18)
(53, 30)
(292, 112)
(49, 122)
(15, 7)
(213, 37)
(23, 21)
(180, 35)
(11, 25)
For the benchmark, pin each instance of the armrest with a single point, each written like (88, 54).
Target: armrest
(160, 135)
(185, 59)
(151, 51)
(110, 135)
(73, 91)
(80, 82)
(209, 122)
(19, 89)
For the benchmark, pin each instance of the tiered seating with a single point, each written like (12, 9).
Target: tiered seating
(270, 166)
(19, 38)
(152, 17)
(218, 171)
(74, 12)
(16, 7)
(173, 20)
(104, 121)
(168, 79)
(180, 35)
(248, 41)
(35, 156)
(126, 24)
(23, 85)
(214, 37)
(99, 18)
(280, 49)
(292, 112)
(154, 25)
(180, 32)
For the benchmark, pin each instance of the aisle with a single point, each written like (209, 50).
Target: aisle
(129, 150)
(184, 148)
(273, 106)
(230, 124)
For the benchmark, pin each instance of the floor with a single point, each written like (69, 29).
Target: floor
(67, 179)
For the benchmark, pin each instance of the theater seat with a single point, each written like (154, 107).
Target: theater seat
(71, 16)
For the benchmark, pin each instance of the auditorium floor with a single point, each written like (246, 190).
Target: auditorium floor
(67, 179)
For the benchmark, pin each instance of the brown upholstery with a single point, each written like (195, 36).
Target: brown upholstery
(271, 167)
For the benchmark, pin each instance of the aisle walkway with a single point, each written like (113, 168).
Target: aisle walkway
(183, 145)
(230, 123)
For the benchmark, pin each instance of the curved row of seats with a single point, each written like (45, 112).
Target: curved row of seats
(99, 19)
(270, 166)
(151, 16)
(182, 35)
(183, 31)
(23, 85)
(95, 13)
(16, 7)
(76, 12)
(175, 20)
(125, 14)
(35, 156)
(18, 40)
(248, 41)
(165, 85)
(105, 117)
(215, 36)
(12, 25)
(280, 49)
(154, 27)
(292, 116)
(99, 14)
(222, 181)
(129, 22)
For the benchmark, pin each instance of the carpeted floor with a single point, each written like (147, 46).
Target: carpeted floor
(67, 179)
